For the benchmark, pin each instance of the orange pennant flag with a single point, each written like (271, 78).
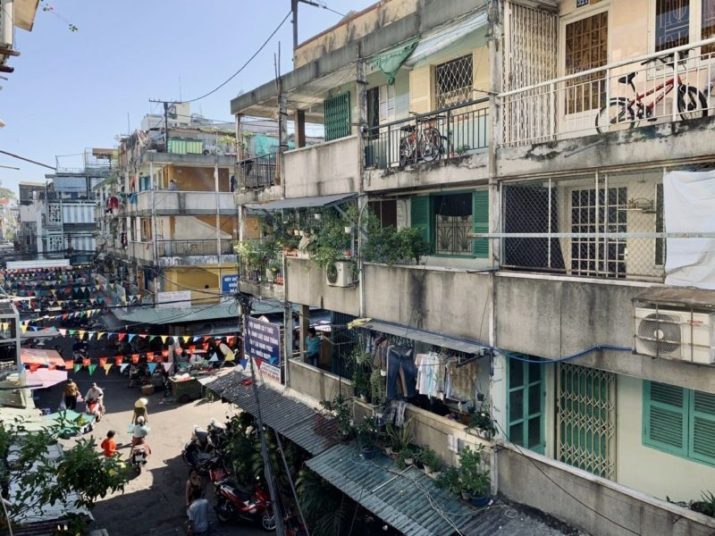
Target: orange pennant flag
(165, 353)
(34, 367)
(86, 362)
(118, 359)
(69, 364)
(135, 358)
(150, 357)
(102, 361)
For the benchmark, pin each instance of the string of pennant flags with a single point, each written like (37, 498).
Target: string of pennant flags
(103, 364)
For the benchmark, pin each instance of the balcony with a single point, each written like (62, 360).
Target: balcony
(256, 172)
(420, 149)
(176, 203)
(260, 269)
(612, 109)
(308, 285)
(328, 168)
(184, 252)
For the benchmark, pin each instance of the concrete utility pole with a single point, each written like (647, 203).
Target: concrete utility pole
(166, 119)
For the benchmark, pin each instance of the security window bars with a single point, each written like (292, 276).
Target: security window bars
(679, 421)
(453, 217)
(54, 214)
(526, 404)
(586, 48)
(672, 23)
(593, 211)
(586, 419)
(454, 82)
(336, 116)
(55, 242)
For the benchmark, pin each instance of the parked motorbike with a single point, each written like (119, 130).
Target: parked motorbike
(93, 407)
(198, 451)
(234, 502)
(139, 456)
(217, 434)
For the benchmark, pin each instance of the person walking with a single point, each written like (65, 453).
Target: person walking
(109, 446)
(140, 410)
(71, 394)
(198, 513)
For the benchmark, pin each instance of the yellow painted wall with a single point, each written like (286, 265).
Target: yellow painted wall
(646, 469)
(228, 224)
(196, 179)
(195, 278)
(354, 27)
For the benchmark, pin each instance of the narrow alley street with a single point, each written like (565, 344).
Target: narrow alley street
(153, 502)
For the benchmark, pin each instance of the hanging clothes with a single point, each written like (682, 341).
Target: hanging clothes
(400, 364)
(460, 381)
(428, 374)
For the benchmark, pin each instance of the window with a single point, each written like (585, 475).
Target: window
(525, 405)
(707, 23)
(594, 212)
(336, 116)
(54, 214)
(447, 220)
(55, 243)
(672, 23)
(679, 421)
(586, 48)
(373, 112)
(386, 212)
(454, 82)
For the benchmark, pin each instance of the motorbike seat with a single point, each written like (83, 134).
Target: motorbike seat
(626, 79)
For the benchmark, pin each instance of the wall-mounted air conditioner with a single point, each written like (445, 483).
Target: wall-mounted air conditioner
(671, 334)
(340, 274)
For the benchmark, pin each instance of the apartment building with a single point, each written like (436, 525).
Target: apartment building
(556, 160)
(14, 14)
(168, 217)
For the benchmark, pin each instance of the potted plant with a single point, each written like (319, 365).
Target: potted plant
(430, 461)
(406, 457)
(706, 505)
(378, 387)
(340, 408)
(473, 477)
(449, 480)
(482, 422)
(398, 439)
(274, 267)
(367, 437)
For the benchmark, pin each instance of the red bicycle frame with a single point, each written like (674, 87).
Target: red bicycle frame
(667, 85)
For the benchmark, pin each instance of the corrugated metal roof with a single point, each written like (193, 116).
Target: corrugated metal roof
(436, 339)
(301, 424)
(408, 500)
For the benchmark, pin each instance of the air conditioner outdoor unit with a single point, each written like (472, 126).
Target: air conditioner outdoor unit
(683, 335)
(340, 274)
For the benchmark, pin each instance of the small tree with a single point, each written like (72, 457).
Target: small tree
(43, 474)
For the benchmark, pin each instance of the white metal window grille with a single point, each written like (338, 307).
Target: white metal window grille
(454, 82)
(55, 242)
(586, 48)
(54, 214)
(586, 419)
(592, 211)
(672, 23)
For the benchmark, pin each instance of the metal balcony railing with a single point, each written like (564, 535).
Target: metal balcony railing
(667, 86)
(438, 135)
(257, 171)
(188, 248)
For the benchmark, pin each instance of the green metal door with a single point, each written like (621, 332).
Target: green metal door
(525, 404)
(586, 419)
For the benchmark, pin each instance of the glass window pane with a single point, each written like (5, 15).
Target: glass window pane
(535, 399)
(516, 434)
(516, 405)
(534, 432)
(516, 373)
(534, 372)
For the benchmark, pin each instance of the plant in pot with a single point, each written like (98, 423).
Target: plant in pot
(367, 432)
(706, 505)
(378, 387)
(430, 461)
(406, 457)
(274, 268)
(398, 438)
(449, 480)
(340, 408)
(482, 422)
(473, 476)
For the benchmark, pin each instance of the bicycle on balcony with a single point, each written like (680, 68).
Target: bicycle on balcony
(629, 111)
(423, 141)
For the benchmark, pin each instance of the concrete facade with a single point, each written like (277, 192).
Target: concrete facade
(307, 285)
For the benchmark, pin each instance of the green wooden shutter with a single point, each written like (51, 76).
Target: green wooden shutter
(665, 417)
(421, 217)
(336, 116)
(480, 223)
(702, 427)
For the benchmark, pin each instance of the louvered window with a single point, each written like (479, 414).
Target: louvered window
(336, 115)
(679, 421)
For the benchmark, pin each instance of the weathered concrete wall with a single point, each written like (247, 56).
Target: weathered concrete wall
(644, 145)
(465, 170)
(556, 317)
(452, 302)
(611, 509)
(266, 290)
(306, 284)
(324, 169)
(316, 383)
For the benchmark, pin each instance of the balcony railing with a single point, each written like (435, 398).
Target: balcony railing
(260, 261)
(442, 134)
(257, 171)
(668, 86)
(196, 247)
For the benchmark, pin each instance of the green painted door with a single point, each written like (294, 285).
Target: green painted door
(586, 419)
(525, 404)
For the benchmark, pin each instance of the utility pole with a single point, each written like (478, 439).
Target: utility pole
(245, 301)
(166, 120)
(294, 9)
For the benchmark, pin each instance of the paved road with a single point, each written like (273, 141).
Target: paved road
(152, 503)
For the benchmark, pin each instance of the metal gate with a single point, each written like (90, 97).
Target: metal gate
(586, 419)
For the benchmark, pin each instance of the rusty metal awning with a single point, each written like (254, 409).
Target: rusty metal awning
(689, 297)
(436, 339)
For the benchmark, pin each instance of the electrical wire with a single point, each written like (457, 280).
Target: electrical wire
(234, 75)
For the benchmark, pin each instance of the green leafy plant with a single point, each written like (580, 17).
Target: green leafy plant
(449, 480)
(482, 421)
(331, 241)
(367, 433)
(429, 459)
(462, 149)
(340, 407)
(473, 476)
(378, 388)
(706, 505)
(406, 457)
(399, 438)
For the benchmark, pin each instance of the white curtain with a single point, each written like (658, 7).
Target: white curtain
(689, 207)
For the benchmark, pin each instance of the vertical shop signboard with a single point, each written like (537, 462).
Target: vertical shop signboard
(263, 345)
